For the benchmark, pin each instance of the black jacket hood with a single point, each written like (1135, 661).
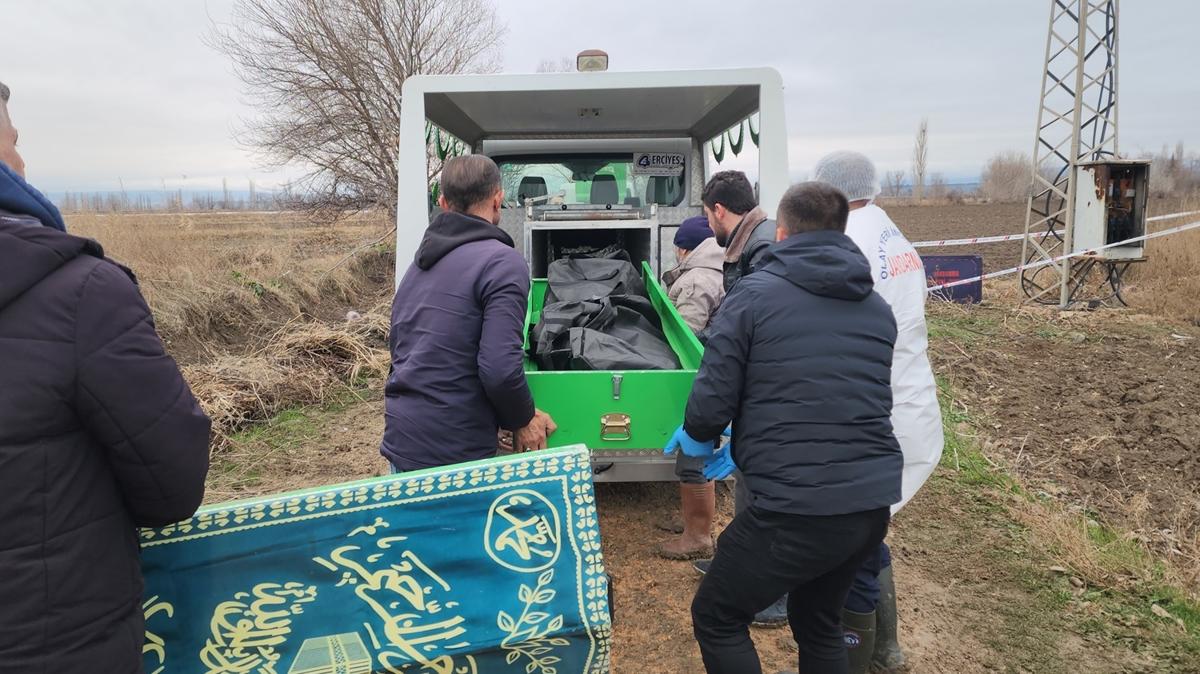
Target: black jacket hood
(29, 252)
(449, 230)
(825, 263)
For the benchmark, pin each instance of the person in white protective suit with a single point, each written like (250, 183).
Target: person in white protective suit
(870, 613)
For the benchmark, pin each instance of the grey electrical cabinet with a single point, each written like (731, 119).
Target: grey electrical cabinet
(1110, 206)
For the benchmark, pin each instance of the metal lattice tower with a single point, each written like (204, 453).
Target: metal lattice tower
(1077, 121)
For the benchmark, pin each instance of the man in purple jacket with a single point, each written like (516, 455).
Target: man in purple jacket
(458, 320)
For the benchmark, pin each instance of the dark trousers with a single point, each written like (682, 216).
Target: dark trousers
(864, 592)
(761, 556)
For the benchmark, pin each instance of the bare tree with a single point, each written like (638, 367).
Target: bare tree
(937, 187)
(564, 64)
(1007, 177)
(919, 155)
(1173, 172)
(893, 183)
(326, 76)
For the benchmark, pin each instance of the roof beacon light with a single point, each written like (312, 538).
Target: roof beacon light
(591, 60)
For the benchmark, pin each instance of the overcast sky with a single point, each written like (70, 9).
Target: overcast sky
(127, 89)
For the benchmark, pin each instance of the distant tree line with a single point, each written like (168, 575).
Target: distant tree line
(177, 200)
(1007, 176)
(1173, 173)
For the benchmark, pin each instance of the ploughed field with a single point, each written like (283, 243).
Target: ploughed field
(960, 221)
(1089, 415)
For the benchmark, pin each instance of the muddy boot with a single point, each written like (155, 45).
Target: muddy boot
(671, 524)
(699, 503)
(858, 631)
(774, 615)
(888, 658)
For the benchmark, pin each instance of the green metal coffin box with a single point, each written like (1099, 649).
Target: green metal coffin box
(625, 417)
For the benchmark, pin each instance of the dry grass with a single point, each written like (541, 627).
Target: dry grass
(215, 279)
(246, 303)
(1169, 282)
(302, 363)
(1104, 557)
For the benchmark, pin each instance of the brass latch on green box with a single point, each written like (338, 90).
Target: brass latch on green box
(615, 427)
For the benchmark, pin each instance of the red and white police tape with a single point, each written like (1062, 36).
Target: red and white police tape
(967, 242)
(1168, 216)
(1018, 237)
(1042, 263)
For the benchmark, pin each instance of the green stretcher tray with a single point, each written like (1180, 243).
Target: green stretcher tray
(617, 412)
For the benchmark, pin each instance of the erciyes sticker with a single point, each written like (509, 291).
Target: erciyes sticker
(659, 163)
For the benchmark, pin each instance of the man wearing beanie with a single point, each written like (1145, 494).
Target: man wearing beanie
(99, 434)
(696, 287)
(696, 284)
(916, 417)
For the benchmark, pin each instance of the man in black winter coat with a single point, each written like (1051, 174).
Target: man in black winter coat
(742, 227)
(799, 359)
(99, 434)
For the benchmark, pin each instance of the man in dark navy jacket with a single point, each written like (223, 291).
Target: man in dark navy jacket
(799, 359)
(99, 434)
(457, 333)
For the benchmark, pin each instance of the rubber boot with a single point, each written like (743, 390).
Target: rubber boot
(888, 658)
(699, 505)
(858, 631)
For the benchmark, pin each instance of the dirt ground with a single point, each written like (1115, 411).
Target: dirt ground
(958, 221)
(1096, 410)
(965, 603)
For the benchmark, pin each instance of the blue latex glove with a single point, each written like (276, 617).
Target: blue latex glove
(720, 465)
(690, 446)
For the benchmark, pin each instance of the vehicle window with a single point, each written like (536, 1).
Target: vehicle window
(585, 179)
